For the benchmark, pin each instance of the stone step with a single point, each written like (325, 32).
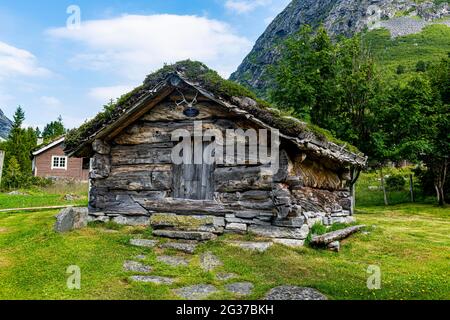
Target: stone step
(180, 246)
(144, 243)
(196, 292)
(185, 235)
(240, 288)
(152, 279)
(223, 276)
(134, 266)
(173, 261)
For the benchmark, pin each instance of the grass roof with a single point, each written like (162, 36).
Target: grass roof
(211, 81)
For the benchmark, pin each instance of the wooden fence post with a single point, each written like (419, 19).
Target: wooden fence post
(2, 159)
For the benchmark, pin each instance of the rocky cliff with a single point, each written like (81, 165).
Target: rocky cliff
(340, 17)
(5, 125)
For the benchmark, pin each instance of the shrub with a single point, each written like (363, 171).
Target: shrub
(395, 182)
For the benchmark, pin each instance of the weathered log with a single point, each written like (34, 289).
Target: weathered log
(141, 154)
(243, 178)
(330, 237)
(185, 206)
(101, 147)
(139, 181)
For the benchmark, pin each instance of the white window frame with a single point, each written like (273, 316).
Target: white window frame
(59, 168)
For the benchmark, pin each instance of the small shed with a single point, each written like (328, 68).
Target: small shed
(134, 179)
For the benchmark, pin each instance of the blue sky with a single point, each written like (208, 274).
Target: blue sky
(51, 65)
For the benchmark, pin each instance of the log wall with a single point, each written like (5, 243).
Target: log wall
(133, 181)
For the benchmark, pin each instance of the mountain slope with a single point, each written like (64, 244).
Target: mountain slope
(5, 125)
(339, 17)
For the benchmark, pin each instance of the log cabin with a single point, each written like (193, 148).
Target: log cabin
(135, 181)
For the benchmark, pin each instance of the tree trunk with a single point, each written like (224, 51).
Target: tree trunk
(439, 182)
(383, 187)
(411, 187)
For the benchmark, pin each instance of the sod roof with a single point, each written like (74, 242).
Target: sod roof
(231, 93)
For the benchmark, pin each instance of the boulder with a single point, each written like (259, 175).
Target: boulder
(70, 219)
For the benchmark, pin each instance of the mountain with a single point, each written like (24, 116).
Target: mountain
(5, 125)
(399, 18)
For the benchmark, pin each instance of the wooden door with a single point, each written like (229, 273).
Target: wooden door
(193, 181)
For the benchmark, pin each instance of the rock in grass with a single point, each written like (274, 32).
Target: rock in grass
(253, 246)
(240, 288)
(152, 279)
(334, 246)
(180, 246)
(293, 243)
(70, 219)
(173, 261)
(209, 262)
(143, 243)
(196, 292)
(294, 293)
(134, 266)
(223, 276)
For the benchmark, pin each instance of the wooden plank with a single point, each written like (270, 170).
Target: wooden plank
(141, 154)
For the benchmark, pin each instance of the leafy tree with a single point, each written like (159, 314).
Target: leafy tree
(13, 176)
(54, 129)
(18, 147)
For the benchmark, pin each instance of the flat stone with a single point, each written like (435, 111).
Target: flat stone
(294, 293)
(222, 276)
(209, 262)
(140, 257)
(71, 219)
(196, 292)
(180, 246)
(253, 246)
(173, 261)
(132, 220)
(293, 243)
(186, 235)
(144, 243)
(279, 232)
(240, 288)
(236, 227)
(134, 266)
(297, 222)
(152, 279)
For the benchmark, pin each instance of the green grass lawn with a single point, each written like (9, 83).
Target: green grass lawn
(44, 197)
(410, 243)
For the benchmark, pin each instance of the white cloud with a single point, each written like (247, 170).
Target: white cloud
(18, 62)
(50, 101)
(135, 45)
(105, 94)
(245, 6)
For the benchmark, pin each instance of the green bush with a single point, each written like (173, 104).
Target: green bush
(395, 182)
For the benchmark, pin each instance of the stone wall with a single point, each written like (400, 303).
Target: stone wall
(132, 183)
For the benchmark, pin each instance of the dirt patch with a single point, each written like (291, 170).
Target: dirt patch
(3, 230)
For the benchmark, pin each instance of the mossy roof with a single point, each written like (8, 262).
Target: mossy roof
(224, 90)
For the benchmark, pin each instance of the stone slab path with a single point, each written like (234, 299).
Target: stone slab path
(294, 293)
(209, 262)
(196, 292)
(180, 246)
(133, 266)
(173, 261)
(153, 279)
(144, 243)
(240, 288)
